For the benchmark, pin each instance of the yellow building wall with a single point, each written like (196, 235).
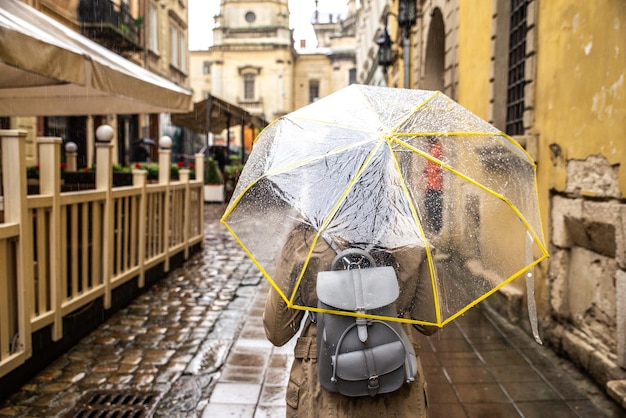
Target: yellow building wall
(474, 55)
(580, 94)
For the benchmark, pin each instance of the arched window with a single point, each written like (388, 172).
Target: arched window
(435, 53)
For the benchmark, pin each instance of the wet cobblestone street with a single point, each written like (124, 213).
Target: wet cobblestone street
(154, 343)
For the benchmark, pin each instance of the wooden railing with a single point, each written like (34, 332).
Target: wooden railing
(61, 251)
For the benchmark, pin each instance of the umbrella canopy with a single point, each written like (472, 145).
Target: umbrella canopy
(48, 69)
(383, 169)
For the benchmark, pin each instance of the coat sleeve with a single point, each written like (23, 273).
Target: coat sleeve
(282, 323)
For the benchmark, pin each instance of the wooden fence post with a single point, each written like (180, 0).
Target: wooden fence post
(104, 182)
(71, 155)
(50, 184)
(13, 143)
(184, 176)
(140, 180)
(200, 176)
(165, 158)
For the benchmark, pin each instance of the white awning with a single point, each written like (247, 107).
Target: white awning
(47, 69)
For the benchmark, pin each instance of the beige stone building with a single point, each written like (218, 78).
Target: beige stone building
(254, 63)
(149, 33)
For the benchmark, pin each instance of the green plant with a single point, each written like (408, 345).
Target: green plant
(152, 169)
(32, 172)
(212, 173)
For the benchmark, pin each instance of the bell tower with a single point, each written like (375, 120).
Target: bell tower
(253, 56)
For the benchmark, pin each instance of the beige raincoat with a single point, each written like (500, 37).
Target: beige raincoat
(305, 395)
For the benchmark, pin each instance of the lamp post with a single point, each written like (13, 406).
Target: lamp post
(384, 49)
(407, 17)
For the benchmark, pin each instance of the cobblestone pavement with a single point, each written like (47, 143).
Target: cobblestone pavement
(172, 340)
(193, 345)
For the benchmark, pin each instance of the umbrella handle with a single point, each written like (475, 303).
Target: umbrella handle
(352, 258)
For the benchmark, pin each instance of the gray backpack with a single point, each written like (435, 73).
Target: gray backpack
(361, 356)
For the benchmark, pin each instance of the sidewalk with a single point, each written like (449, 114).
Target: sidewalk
(193, 346)
(479, 366)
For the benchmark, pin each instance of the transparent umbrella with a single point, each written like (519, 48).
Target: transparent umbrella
(383, 169)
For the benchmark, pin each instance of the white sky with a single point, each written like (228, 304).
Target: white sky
(201, 21)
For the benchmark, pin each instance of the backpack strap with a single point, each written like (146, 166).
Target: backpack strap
(305, 348)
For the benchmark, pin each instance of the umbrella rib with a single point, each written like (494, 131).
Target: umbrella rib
(431, 266)
(444, 133)
(279, 170)
(415, 110)
(330, 216)
(349, 187)
(254, 260)
(477, 184)
(494, 290)
(364, 315)
(309, 160)
(325, 122)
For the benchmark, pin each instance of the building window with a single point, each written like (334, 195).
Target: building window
(314, 90)
(153, 34)
(178, 48)
(248, 86)
(516, 75)
(250, 17)
(352, 76)
(182, 52)
(173, 46)
(206, 67)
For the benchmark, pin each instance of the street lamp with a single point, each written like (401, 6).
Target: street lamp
(407, 17)
(384, 49)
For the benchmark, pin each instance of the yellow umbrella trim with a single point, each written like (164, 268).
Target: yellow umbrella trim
(392, 137)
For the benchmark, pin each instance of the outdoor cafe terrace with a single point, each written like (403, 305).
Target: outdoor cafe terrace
(70, 259)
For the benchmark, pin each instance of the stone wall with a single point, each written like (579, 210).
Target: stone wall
(587, 280)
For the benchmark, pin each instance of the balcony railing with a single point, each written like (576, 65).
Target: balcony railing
(110, 25)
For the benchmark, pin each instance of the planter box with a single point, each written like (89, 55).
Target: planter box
(214, 193)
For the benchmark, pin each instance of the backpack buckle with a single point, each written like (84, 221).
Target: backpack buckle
(373, 385)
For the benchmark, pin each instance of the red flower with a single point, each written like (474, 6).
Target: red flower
(63, 166)
(192, 166)
(137, 165)
(180, 164)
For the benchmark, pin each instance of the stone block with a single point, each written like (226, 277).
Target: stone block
(577, 349)
(562, 209)
(602, 225)
(617, 390)
(620, 239)
(620, 278)
(590, 283)
(593, 177)
(558, 286)
(602, 368)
